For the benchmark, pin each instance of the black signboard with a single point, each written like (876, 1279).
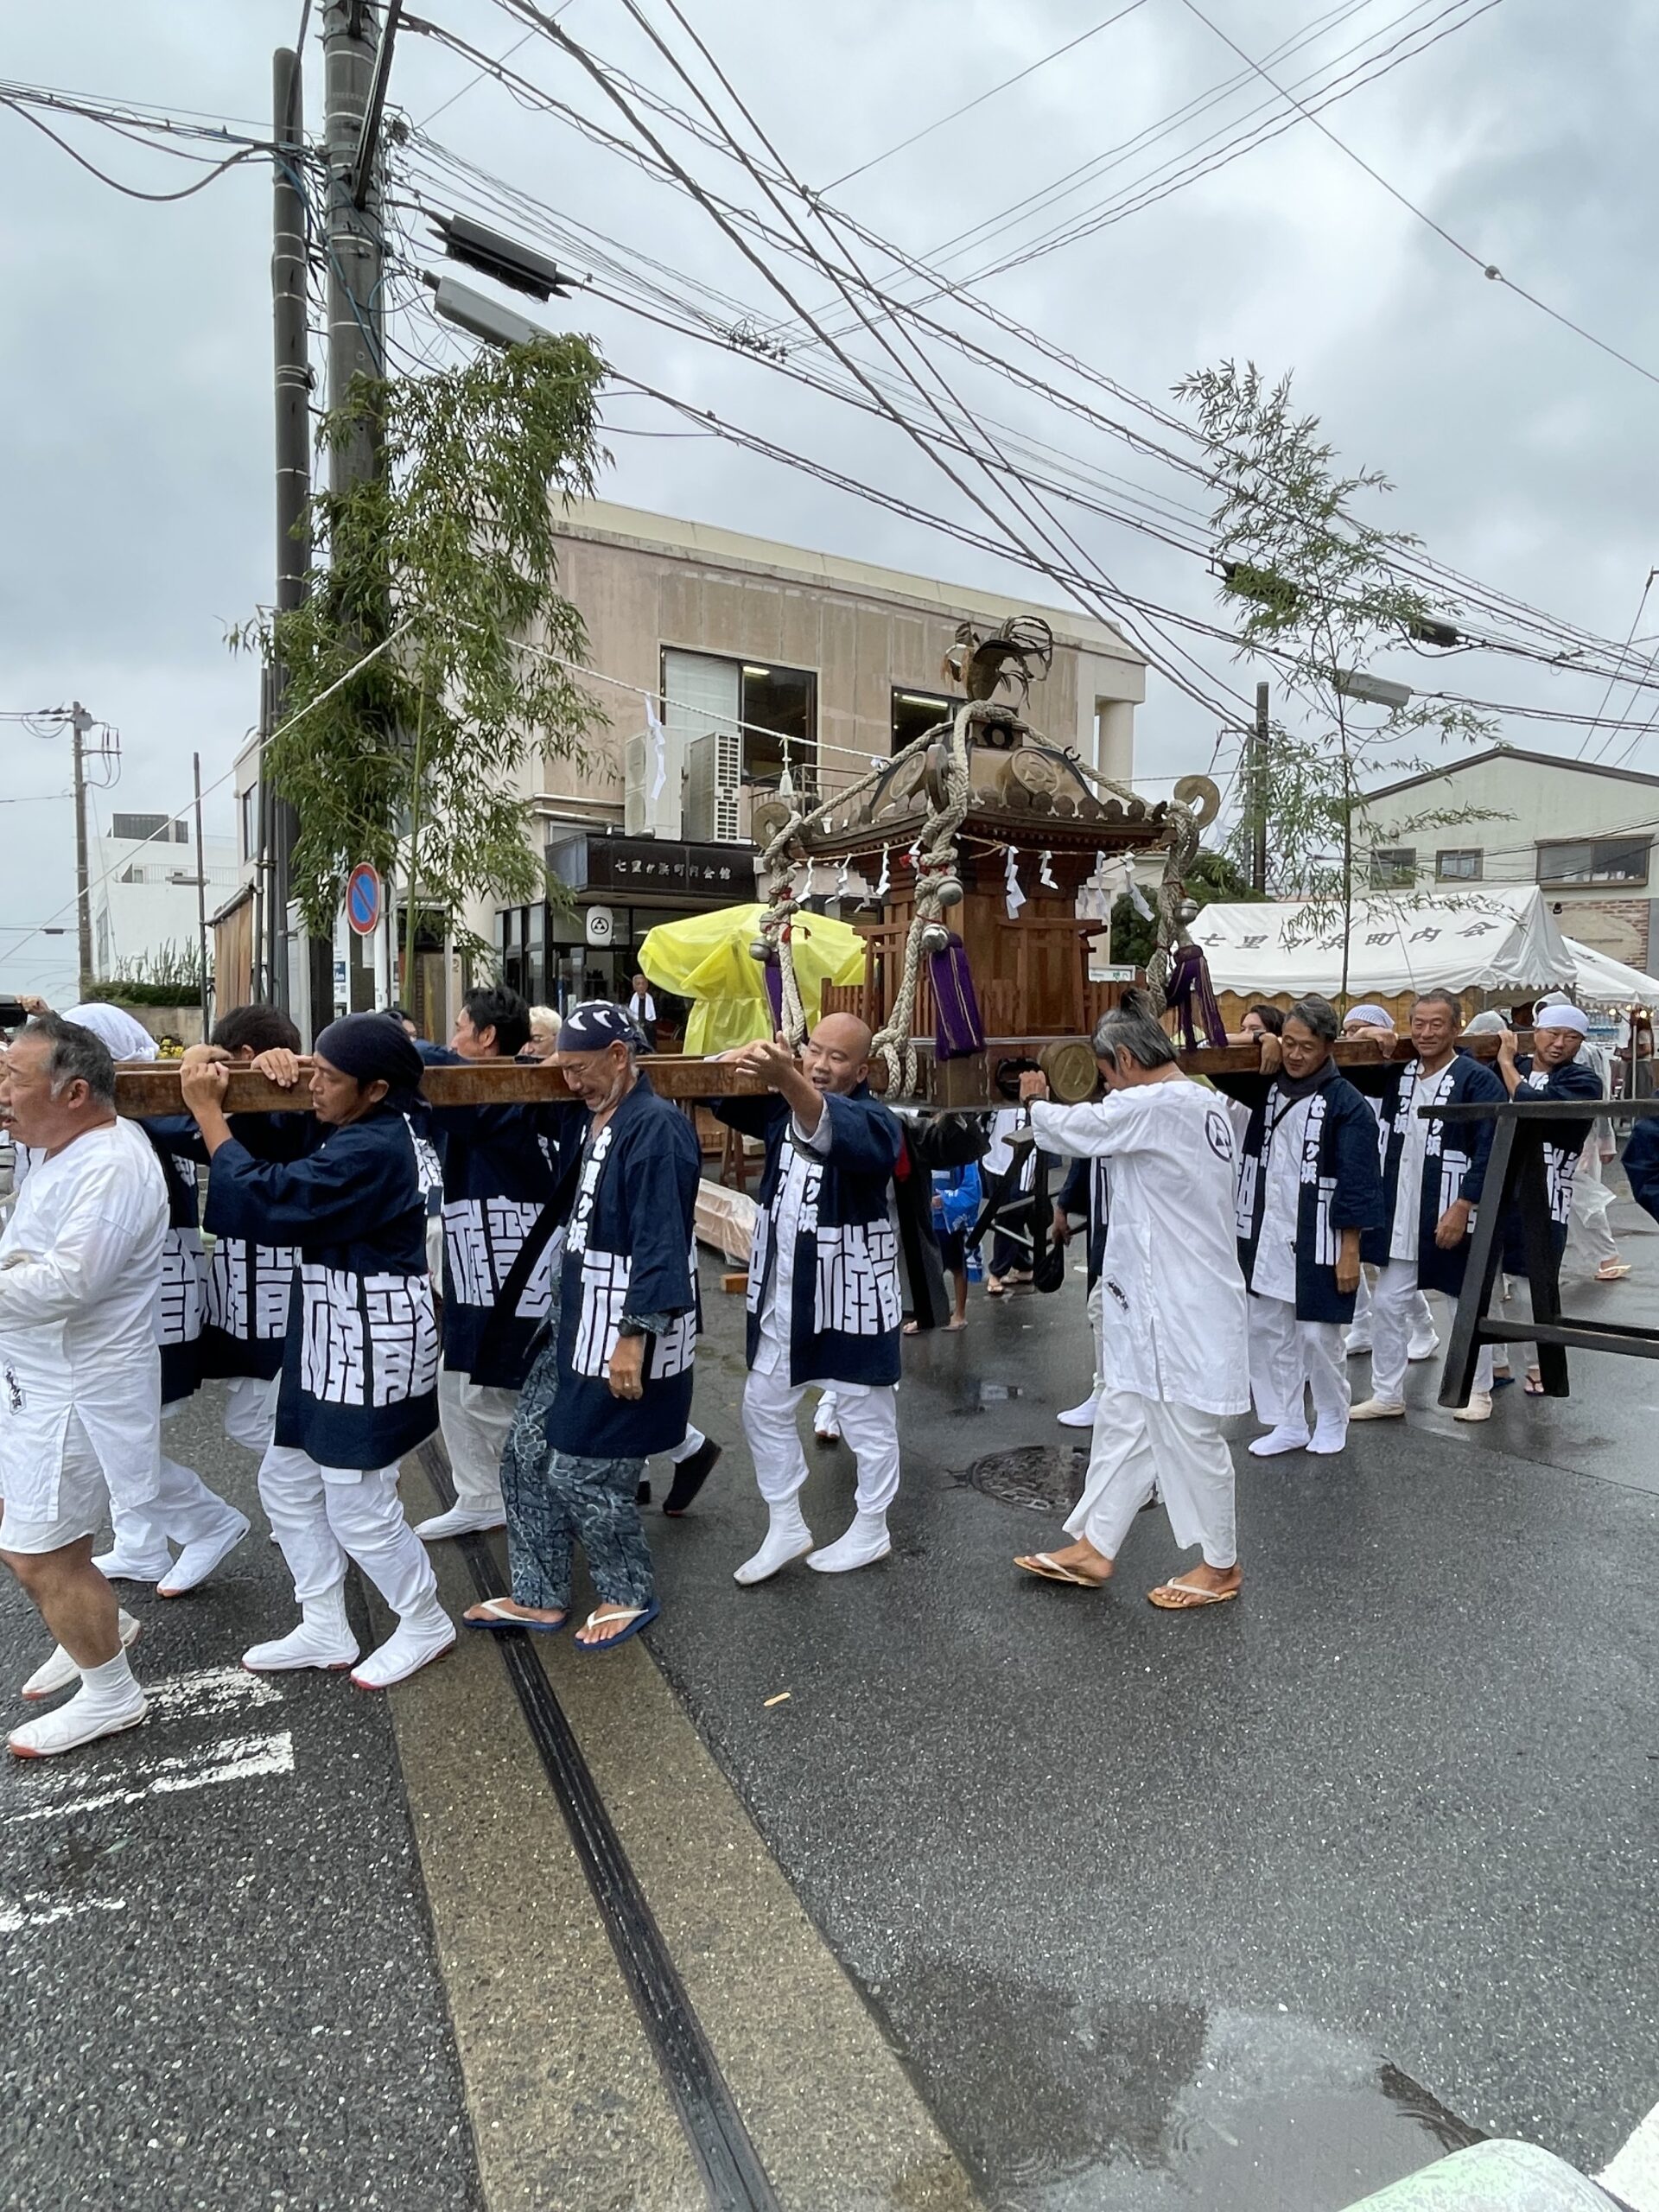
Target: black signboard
(644, 869)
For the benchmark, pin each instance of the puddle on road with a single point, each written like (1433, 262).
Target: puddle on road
(1068, 2105)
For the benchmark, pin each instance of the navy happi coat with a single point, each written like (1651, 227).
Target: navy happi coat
(629, 1251)
(1563, 1143)
(846, 1307)
(1084, 1192)
(244, 1313)
(1341, 1187)
(361, 1357)
(1454, 1165)
(179, 1309)
(502, 1166)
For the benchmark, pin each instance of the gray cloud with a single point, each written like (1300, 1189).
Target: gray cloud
(135, 360)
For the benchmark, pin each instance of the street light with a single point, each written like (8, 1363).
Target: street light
(485, 318)
(1374, 691)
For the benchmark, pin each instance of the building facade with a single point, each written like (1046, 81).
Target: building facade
(1582, 832)
(143, 874)
(725, 663)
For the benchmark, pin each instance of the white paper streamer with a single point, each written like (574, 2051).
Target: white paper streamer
(884, 879)
(658, 749)
(1045, 875)
(1015, 896)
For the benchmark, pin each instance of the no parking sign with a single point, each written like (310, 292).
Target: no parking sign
(363, 899)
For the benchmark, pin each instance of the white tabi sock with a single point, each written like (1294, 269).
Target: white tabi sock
(108, 1701)
(788, 1538)
(865, 1542)
(60, 1671)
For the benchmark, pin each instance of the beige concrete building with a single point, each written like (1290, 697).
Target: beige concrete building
(1583, 832)
(757, 657)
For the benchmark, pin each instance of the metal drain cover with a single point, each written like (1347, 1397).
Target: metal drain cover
(1043, 1477)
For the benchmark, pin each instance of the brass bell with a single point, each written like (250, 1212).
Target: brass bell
(761, 950)
(949, 890)
(935, 938)
(1187, 911)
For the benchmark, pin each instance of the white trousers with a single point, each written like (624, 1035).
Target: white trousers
(323, 1517)
(1395, 1305)
(250, 1411)
(1422, 1312)
(476, 1419)
(1590, 1242)
(1290, 1359)
(1094, 1309)
(1146, 1444)
(183, 1511)
(869, 1425)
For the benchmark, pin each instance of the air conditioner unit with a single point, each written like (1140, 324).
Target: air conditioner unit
(714, 792)
(642, 815)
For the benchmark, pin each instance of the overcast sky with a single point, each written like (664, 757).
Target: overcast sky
(135, 354)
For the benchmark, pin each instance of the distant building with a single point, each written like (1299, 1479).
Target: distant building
(1582, 832)
(144, 889)
(756, 657)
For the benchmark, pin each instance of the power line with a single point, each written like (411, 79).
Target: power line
(1487, 269)
(131, 191)
(1613, 679)
(980, 99)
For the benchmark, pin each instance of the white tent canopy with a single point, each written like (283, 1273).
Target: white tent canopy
(1497, 938)
(1599, 979)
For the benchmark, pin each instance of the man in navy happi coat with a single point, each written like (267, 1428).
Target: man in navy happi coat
(824, 1304)
(1308, 1185)
(1552, 1070)
(501, 1167)
(1433, 1174)
(628, 1330)
(359, 1365)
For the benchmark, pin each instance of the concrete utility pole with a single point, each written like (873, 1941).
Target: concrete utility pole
(279, 824)
(79, 722)
(354, 59)
(1258, 788)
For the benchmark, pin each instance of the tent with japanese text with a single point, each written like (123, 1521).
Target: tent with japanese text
(1497, 937)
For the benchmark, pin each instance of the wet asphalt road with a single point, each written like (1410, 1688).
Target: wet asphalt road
(1259, 1907)
(217, 1984)
(1187, 1910)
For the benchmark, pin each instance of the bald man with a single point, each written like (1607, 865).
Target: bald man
(824, 1303)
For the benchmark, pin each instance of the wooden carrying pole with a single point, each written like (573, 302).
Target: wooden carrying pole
(154, 1088)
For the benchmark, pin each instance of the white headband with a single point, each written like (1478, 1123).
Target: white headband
(1561, 1017)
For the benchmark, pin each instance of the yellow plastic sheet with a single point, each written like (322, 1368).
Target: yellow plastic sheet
(707, 958)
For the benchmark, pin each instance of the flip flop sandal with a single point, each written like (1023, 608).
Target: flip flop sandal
(1535, 1386)
(496, 1618)
(1616, 1273)
(633, 1622)
(1192, 1595)
(1050, 1570)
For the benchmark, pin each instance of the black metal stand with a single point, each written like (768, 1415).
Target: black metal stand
(1515, 1178)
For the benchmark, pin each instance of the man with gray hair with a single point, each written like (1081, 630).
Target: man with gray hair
(80, 1377)
(1172, 1355)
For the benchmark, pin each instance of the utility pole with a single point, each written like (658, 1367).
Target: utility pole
(279, 824)
(357, 47)
(201, 900)
(79, 722)
(1259, 793)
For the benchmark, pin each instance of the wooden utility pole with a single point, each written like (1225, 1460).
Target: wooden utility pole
(201, 903)
(1258, 789)
(79, 722)
(279, 824)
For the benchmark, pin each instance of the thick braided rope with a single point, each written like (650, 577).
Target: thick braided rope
(936, 861)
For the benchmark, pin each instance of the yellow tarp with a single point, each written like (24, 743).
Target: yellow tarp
(707, 958)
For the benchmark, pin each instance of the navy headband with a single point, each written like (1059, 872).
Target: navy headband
(372, 1048)
(596, 1024)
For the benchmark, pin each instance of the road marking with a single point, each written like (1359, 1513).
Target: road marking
(36, 1910)
(1633, 2172)
(210, 1690)
(233, 1758)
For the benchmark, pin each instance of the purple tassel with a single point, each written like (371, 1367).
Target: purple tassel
(959, 1030)
(774, 980)
(1191, 1000)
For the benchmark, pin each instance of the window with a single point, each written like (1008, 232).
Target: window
(249, 821)
(139, 829)
(1595, 859)
(773, 708)
(915, 713)
(1462, 864)
(1394, 868)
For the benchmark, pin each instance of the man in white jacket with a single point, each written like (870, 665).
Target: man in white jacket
(80, 1378)
(1173, 1355)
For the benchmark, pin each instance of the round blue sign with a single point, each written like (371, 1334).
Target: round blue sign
(363, 899)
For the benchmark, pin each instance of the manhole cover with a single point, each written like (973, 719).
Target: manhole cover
(1043, 1477)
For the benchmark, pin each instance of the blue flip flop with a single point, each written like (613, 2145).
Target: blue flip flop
(498, 1621)
(642, 1619)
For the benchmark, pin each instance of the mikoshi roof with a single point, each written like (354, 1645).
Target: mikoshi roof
(1495, 938)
